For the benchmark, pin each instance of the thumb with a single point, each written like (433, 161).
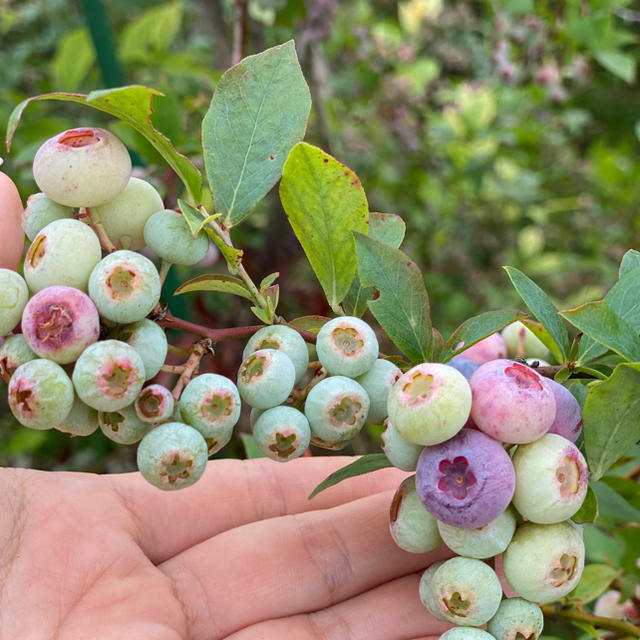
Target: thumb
(11, 234)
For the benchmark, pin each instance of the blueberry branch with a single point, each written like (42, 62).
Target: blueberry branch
(190, 367)
(626, 629)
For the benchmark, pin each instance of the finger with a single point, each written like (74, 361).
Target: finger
(290, 565)
(232, 493)
(392, 611)
(11, 234)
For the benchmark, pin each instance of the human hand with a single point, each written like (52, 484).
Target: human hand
(11, 234)
(241, 555)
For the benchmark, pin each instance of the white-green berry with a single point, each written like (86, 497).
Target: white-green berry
(377, 382)
(14, 295)
(167, 234)
(148, 339)
(266, 378)
(39, 212)
(282, 433)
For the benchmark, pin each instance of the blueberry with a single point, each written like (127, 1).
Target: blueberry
(426, 591)
(492, 347)
(59, 322)
(265, 378)
(511, 402)
(568, 420)
(347, 346)
(521, 342)
(39, 212)
(149, 340)
(336, 409)
(82, 420)
(429, 403)
(480, 542)
(466, 367)
(14, 351)
(14, 295)
(210, 403)
(282, 433)
(123, 426)
(82, 167)
(40, 394)
(167, 234)
(544, 562)
(466, 633)
(154, 404)
(125, 286)
(467, 481)
(412, 527)
(282, 338)
(377, 382)
(516, 618)
(551, 479)
(64, 252)
(400, 452)
(172, 456)
(108, 375)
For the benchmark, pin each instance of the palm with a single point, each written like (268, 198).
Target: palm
(237, 556)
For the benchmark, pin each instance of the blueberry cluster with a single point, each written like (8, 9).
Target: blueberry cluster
(497, 479)
(86, 348)
(351, 390)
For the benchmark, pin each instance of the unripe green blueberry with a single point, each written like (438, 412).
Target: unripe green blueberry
(282, 433)
(282, 338)
(551, 479)
(254, 414)
(82, 420)
(14, 295)
(82, 167)
(426, 591)
(123, 426)
(63, 253)
(14, 351)
(167, 234)
(125, 286)
(412, 527)
(466, 633)
(377, 382)
(154, 404)
(265, 378)
(400, 452)
(210, 403)
(544, 562)
(172, 456)
(39, 212)
(59, 323)
(347, 346)
(523, 343)
(108, 375)
(466, 591)
(430, 403)
(516, 619)
(148, 339)
(40, 394)
(124, 217)
(481, 542)
(336, 409)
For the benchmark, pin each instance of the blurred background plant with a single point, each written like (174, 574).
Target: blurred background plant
(503, 132)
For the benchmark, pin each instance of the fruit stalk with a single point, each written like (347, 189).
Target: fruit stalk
(625, 629)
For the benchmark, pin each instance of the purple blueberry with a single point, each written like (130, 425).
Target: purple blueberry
(466, 367)
(568, 421)
(467, 481)
(511, 402)
(59, 323)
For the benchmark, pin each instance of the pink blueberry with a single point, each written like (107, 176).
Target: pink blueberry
(467, 481)
(490, 348)
(59, 323)
(568, 420)
(511, 402)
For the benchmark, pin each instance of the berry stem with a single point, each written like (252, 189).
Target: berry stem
(190, 367)
(164, 270)
(98, 227)
(172, 368)
(626, 629)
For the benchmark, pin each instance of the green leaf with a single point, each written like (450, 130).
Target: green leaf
(267, 281)
(365, 464)
(579, 392)
(402, 305)
(588, 512)
(630, 260)
(151, 33)
(543, 310)
(589, 349)
(192, 216)
(250, 447)
(588, 628)
(612, 505)
(74, 58)
(132, 105)
(385, 227)
(544, 336)
(624, 300)
(309, 323)
(324, 201)
(258, 112)
(595, 580)
(232, 255)
(600, 322)
(215, 282)
(475, 329)
(610, 418)
(620, 64)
